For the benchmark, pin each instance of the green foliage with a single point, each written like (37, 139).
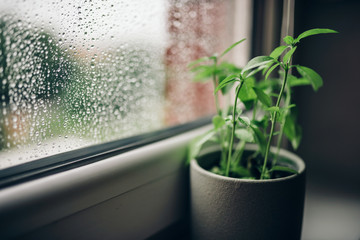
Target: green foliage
(203, 73)
(263, 97)
(231, 47)
(198, 61)
(245, 121)
(270, 70)
(292, 130)
(225, 69)
(313, 32)
(197, 143)
(230, 79)
(289, 40)
(245, 135)
(283, 169)
(276, 53)
(256, 62)
(218, 122)
(247, 92)
(241, 172)
(288, 55)
(269, 100)
(294, 81)
(313, 77)
(260, 138)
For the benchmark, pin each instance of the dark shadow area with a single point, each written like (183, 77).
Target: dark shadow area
(330, 117)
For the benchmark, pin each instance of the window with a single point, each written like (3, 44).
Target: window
(79, 73)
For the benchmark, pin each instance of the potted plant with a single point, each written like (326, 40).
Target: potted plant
(244, 191)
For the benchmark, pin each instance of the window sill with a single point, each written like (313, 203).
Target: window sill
(129, 196)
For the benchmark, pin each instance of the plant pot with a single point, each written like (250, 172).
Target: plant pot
(231, 208)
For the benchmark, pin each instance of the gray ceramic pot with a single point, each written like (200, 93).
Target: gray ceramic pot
(230, 208)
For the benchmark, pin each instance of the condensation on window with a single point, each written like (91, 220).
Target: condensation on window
(77, 73)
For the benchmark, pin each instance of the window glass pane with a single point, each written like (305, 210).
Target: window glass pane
(77, 73)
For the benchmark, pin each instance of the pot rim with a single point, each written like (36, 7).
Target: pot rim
(252, 147)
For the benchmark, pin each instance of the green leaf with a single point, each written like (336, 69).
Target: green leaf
(231, 47)
(311, 75)
(214, 58)
(253, 72)
(288, 107)
(299, 82)
(270, 70)
(224, 69)
(203, 73)
(263, 97)
(227, 88)
(292, 130)
(245, 121)
(266, 173)
(273, 109)
(197, 143)
(313, 32)
(228, 119)
(247, 92)
(268, 83)
(294, 81)
(241, 171)
(276, 53)
(229, 79)
(248, 104)
(266, 67)
(283, 169)
(244, 134)
(238, 111)
(218, 122)
(288, 55)
(263, 123)
(289, 40)
(217, 170)
(256, 62)
(259, 139)
(197, 61)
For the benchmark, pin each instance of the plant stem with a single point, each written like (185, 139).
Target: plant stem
(273, 121)
(233, 130)
(215, 85)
